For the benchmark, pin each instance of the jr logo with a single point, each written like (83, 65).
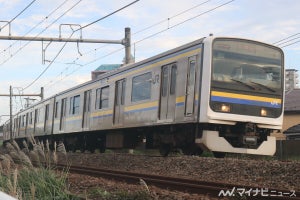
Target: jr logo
(274, 103)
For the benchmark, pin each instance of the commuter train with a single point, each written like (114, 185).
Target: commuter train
(217, 93)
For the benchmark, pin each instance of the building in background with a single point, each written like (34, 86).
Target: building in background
(103, 69)
(291, 79)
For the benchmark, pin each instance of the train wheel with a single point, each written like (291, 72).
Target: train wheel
(218, 154)
(192, 150)
(102, 148)
(164, 149)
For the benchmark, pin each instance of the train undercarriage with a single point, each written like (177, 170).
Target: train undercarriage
(189, 138)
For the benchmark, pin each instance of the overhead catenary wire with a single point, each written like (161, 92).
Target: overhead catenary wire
(71, 36)
(189, 19)
(291, 44)
(287, 41)
(80, 66)
(42, 31)
(51, 13)
(275, 43)
(49, 65)
(107, 15)
(151, 26)
(18, 14)
(176, 15)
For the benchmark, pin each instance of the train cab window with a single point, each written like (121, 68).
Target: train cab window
(74, 105)
(141, 87)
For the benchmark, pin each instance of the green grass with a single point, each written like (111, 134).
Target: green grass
(36, 183)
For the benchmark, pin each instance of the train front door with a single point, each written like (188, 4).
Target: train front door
(119, 102)
(86, 110)
(168, 92)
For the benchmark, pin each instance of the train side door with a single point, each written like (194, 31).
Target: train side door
(190, 86)
(119, 102)
(86, 109)
(46, 118)
(63, 114)
(168, 92)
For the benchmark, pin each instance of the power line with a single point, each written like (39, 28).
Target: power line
(286, 38)
(210, 10)
(51, 13)
(48, 65)
(151, 26)
(41, 32)
(287, 41)
(80, 66)
(71, 36)
(108, 15)
(168, 19)
(18, 14)
(291, 44)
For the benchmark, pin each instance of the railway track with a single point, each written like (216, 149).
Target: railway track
(213, 189)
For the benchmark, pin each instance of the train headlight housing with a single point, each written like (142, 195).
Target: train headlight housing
(264, 112)
(222, 108)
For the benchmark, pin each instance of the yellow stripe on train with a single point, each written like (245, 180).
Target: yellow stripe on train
(246, 97)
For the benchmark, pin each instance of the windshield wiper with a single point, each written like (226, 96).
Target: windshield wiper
(264, 86)
(243, 83)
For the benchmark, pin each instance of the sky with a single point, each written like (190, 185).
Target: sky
(156, 26)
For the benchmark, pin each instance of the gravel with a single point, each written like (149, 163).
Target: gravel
(257, 173)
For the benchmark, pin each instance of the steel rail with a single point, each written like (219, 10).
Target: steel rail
(212, 189)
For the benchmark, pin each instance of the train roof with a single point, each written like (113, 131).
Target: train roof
(131, 65)
(120, 70)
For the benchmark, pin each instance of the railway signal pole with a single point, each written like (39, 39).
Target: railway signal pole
(10, 95)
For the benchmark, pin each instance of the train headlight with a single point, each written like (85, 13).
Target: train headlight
(263, 112)
(222, 108)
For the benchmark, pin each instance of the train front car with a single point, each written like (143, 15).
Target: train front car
(245, 96)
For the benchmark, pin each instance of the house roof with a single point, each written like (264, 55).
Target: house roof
(292, 101)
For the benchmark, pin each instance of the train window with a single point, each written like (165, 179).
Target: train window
(71, 106)
(104, 97)
(19, 122)
(23, 120)
(63, 107)
(29, 118)
(36, 115)
(97, 102)
(47, 112)
(165, 77)
(56, 109)
(74, 105)
(173, 79)
(141, 87)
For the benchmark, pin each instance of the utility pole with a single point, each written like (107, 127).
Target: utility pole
(10, 95)
(126, 41)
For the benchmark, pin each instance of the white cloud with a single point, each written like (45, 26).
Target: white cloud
(267, 21)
